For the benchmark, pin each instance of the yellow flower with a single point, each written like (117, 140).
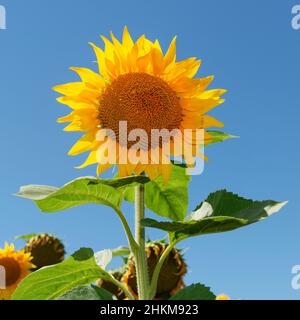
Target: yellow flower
(222, 297)
(14, 267)
(139, 84)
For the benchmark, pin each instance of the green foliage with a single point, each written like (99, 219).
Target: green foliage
(121, 251)
(86, 293)
(218, 136)
(166, 199)
(194, 292)
(221, 211)
(51, 282)
(26, 236)
(79, 191)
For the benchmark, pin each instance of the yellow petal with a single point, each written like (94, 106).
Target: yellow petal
(70, 89)
(109, 48)
(143, 62)
(157, 60)
(199, 106)
(102, 167)
(90, 76)
(85, 143)
(77, 102)
(202, 122)
(144, 46)
(119, 54)
(210, 121)
(67, 118)
(153, 171)
(91, 159)
(111, 69)
(203, 84)
(210, 94)
(100, 59)
(127, 40)
(170, 56)
(186, 87)
(123, 170)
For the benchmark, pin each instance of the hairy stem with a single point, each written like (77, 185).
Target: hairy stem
(140, 253)
(157, 269)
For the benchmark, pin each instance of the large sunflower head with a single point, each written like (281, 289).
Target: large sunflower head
(139, 86)
(14, 267)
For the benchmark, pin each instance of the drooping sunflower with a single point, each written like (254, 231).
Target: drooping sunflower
(148, 89)
(15, 266)
(170, 279)
(171, 275)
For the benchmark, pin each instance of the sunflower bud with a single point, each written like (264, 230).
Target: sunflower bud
(46, 250)
(170, 279)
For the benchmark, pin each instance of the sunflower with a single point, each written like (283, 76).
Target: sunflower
(140, 85)
(45, 250)
(16, 266)
(170, 279)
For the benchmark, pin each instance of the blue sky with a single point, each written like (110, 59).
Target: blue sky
(253, 52)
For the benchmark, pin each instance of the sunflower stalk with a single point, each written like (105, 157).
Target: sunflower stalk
(155, 276)
(140, 253)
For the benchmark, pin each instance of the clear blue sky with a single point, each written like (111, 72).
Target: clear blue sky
(251, 49)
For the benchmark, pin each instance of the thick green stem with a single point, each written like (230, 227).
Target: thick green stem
(140, 253)
(157, 269)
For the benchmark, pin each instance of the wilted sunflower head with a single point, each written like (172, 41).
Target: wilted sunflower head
(14, 267)
(170, 279)
(45, 250)
(139, 85)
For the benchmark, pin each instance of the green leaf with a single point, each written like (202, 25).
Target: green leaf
(121, 251)
(219, 136)
(86, 293)
(168, 200)
(26, 236)
(102, 293)
(79, 191)
(51, 282)
(221, 211)
(124, 182)
(194, 292)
